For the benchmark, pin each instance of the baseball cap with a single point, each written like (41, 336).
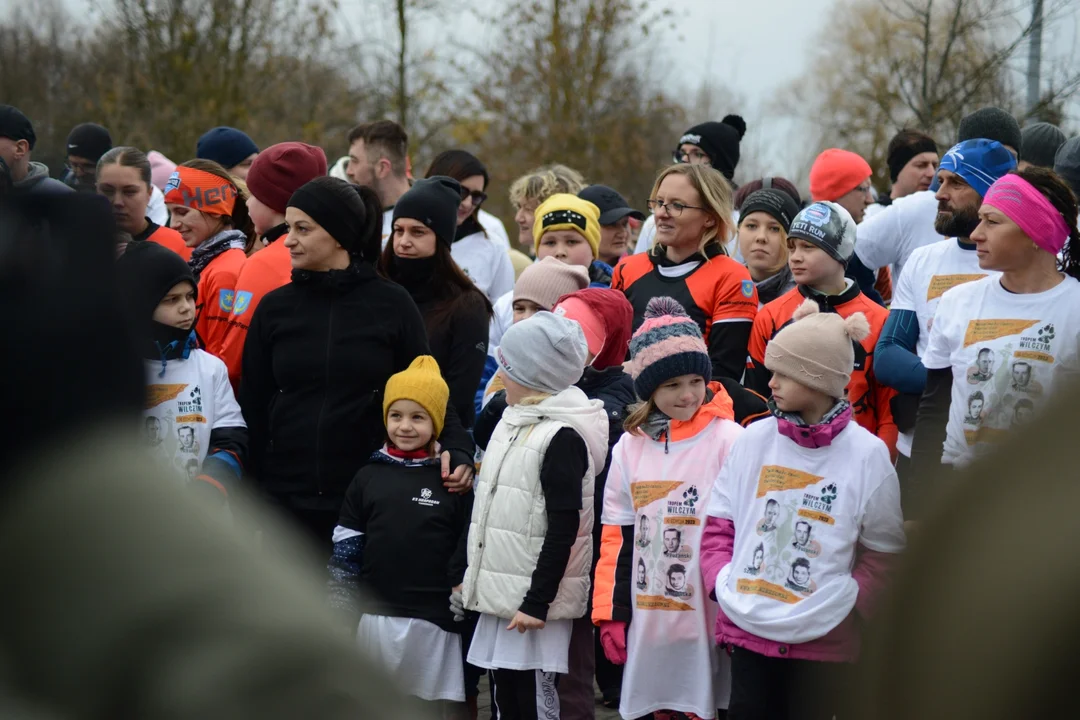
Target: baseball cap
(613, 206)
(15, 125)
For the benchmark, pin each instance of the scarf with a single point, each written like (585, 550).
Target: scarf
(792, 426)
(415, 275)
(211, 248)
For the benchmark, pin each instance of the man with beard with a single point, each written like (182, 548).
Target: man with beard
(966, 173)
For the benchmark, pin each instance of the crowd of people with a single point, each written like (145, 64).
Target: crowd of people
(675, 455)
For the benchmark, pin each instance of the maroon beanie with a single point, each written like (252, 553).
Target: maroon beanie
(614, 312)
(281, 170)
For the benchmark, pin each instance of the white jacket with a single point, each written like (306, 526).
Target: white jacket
(509, 520)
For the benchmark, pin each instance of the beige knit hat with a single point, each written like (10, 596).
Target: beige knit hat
(816, 349)
(548, 280)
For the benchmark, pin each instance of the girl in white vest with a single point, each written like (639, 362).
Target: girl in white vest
(654, 513)
(530, 542)
(804, 530)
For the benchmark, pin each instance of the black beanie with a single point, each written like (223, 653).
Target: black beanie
(776, 203)
(991, 123)
(720, 141)
(89, 141)
(146, 272)
(336, 206)
(433, 201)
(904, 146)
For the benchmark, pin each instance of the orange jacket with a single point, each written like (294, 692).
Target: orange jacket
(167, 237)
(264, 271)
(870, 400)
(217, 289)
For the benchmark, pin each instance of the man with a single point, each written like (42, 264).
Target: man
(802, 535)
(1039, 144)
(672, 541)
(643, 532)
(153, 431)
(86, 143)
(966, 173)
(230, 148)
(377, 154)
(715, 144)
(18, 173)
(890, 236)
(615, 214)
(912, 158)
(186, 434)
(1021, 378)
(772, 510)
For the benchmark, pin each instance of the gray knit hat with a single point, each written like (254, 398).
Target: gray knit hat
(1067, 163)
(991, 123)
(1041, 142)
(545, 352)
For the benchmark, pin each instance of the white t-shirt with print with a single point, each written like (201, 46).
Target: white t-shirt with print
(1008, 354)
(672, 660)
(890, 236)
(798, 514)
(495, 228)
(183, 406)
(486, 262)
(929, 272)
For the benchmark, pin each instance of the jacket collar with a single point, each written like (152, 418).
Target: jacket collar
(387, 455)
(338, 281)
(718, 404)
(829, 303)
(792, 426)
(659, 257)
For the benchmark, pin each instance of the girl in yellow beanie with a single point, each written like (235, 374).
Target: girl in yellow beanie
(398, 515)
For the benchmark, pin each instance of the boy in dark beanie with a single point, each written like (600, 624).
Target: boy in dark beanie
(230, 148)
(86, 143)
(821, 242)
(190, 410)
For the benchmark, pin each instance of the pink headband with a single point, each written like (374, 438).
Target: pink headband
(1030, 210)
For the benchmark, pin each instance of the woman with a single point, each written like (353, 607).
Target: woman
(1005, 342)
(210, 213)
(319, 352)
(530, 190)
(482, 258)
(763, 227)
(124, 178)
(692, 208)
(455, 312)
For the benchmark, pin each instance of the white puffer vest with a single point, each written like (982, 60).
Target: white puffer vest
(509, 520)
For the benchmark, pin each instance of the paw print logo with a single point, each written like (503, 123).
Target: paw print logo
(1046, 333)
(690, 495)
(828, 493)
(196, 394)
(425, 494)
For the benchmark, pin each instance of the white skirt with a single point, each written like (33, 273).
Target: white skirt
(423, 659)
(496, 648)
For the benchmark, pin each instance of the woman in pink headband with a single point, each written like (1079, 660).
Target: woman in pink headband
(1002, 347)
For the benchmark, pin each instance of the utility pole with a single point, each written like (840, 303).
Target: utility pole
(1034, 55)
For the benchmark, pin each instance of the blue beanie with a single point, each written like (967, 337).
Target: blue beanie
(980, 162)
(226, 146)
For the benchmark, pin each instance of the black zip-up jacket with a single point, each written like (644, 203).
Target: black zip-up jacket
(315, 364)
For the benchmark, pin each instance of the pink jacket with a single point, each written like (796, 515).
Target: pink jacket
(841, 644)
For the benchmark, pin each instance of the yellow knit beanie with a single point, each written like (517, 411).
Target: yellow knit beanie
(422, 383)
(563, 211)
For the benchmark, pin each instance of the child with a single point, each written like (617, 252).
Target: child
(804, 526)
(682, 433)
(530, 544)
(191, 415)
(820, 244)
(539, 286)
(397, 515)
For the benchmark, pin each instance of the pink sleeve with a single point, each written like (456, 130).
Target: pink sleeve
(872, 572)
(717, 545)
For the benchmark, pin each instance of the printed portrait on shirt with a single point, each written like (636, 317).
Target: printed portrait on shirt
(192, 468)
(976, 407)
(642, 575)
(644, 531)
(803, 542)
(1023, 412)
(799, 578)
(154, 435)
(1022, 381)
(757, 563)
(983, 369)
(186, 436)
(678, 584)
(772, 514)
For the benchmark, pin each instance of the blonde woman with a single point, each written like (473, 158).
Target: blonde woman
(763, 227)
(533, 188)
(693, 210)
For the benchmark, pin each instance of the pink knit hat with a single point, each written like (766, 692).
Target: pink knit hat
(161, 168)
(816, 349)
(667, 345)
(546, 281)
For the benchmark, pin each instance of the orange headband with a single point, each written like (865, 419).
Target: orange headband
(201, 191)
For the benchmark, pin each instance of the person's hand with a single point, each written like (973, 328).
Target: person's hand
(525, 622)
(457, 604)
(613, 640)
(461, 480)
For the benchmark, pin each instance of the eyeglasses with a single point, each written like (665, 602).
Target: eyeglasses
(675, 209)
(478, 197)
(694, 157)
(82, 168)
